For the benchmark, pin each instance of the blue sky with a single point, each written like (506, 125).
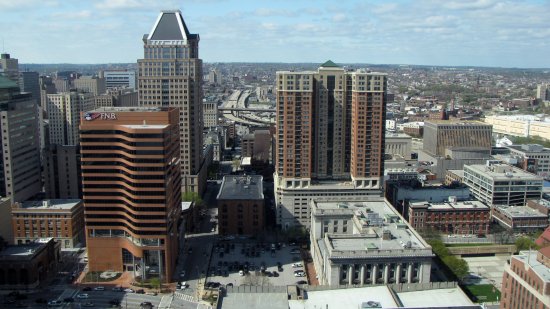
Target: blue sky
(452, 32)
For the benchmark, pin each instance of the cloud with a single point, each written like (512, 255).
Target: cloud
(340, 17)
(25, 4)
(469, 4)
(73, 15)
(267, 12)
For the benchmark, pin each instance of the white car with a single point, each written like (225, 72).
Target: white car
(99, 288)
(82, 296)
(55, 303)
(295, 265)
(129, 291)
(299, 274)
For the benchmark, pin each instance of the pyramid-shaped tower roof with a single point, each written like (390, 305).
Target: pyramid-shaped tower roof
(169, 26)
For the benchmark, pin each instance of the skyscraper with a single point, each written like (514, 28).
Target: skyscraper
(330, 137)
(131, 189)
(28, 82)
(64, 115)
(20, 160)
(9, 67)
(170, 74)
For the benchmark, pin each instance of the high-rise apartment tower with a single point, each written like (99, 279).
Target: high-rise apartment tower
(330, 137)
(170, 74)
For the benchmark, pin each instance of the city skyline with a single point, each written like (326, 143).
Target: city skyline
(451, 33)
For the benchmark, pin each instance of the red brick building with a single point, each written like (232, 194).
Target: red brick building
(467, 217)
(526, 281)
(241, 205)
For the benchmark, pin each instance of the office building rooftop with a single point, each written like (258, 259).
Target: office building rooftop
(241, 187)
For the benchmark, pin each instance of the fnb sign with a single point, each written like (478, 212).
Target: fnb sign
(101, 116)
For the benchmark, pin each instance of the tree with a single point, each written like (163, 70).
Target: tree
(191, 196)
(236, 164)
(155, 283)
(458, 266)
(525, 243)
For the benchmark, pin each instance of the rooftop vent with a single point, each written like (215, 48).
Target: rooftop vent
(46, 203)
(370, 305)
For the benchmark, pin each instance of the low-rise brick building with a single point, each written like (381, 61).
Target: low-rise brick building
(464, 217)
(241, 205)
(520, 218)
(62, 219)
(26, 266)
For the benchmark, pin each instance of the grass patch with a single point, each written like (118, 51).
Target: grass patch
(469, 245)
(95, 276)
(482, 292)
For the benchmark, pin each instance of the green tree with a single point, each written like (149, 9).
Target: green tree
(190, 196)
(458, 266)
(525, 243)
(236, 164)
(155, 283)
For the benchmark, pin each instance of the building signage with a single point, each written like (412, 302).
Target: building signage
(101, 116)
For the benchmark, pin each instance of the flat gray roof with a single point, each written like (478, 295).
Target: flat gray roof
(520, 211)
(255, 300)
(24, 250)
(374, 219)
(530, 258)
(435, 298)
(502, 172)
(460, 205)
(345, 298)
(56, 204)
(237, 187)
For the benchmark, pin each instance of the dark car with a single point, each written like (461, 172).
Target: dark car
(68, 300)
(140, 291)
(146, 304)
(275, 274)
(41, 301)
(85, 289)
(114, 302)
(301, 282)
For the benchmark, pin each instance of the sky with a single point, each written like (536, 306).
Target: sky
(448, 33)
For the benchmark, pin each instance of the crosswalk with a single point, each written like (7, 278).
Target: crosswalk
(185, 297)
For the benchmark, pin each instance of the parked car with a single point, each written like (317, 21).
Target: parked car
(114, 302)
(146, 304)
(301, 282)
(88, 304)
(129, 290)
(86, 289)
(294, 265)
(68, 300)
(99, 288)
(82, 296)
(55, 303)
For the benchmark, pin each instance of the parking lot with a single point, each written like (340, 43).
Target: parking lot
(242, 262)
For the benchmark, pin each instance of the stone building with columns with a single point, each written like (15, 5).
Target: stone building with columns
(366, 243)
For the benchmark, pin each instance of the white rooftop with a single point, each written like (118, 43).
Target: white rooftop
(434, 298)
(530, 258)
(145, 126)
(345, 298)
(54, 204)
